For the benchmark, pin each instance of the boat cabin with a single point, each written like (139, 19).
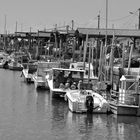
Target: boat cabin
(80, 66)
(62, 76)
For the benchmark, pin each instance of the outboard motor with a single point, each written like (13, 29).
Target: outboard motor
(89, 103)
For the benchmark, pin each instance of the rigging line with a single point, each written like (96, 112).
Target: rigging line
(86, 23)
(122, 18)
(133, 12)
(128, 22)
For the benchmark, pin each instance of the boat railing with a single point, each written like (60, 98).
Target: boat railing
(114, 95)
(129, 99)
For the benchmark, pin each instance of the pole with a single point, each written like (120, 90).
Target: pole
(5, 32)
(112, 60)
(72, 24)
(130, 56)
(60, 47)
(37, 44)
(139, 19)
(16, 36)
(123, 57)
(85, 49)
(30, 39)
(99, 21)
(89, 59)
(106, 22)
(105, 49)
(74, 46)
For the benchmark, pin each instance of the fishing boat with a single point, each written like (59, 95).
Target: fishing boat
(61, 80)
(14, 65)
(88, 74)
(28, 71)
(81, 101)
(3, 58)
(127, 100)
(2, 62)
(40, 76)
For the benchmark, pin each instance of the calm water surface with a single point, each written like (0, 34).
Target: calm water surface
(28, 114)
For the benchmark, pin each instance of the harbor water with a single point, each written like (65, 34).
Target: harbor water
(30, 114)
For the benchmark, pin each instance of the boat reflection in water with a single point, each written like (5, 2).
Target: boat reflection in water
(127, 127)
(104, 127)
(30, 114)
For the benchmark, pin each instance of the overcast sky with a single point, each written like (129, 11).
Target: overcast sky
(40, 14)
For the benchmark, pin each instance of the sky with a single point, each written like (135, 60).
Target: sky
(45, 14)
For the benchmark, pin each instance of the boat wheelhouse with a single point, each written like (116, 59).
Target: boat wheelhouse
(62, 80)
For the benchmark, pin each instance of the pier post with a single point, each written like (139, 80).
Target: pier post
(138, 111)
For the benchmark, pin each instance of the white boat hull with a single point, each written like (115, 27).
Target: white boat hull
(77, 102)
(27, 77)
(40, 82)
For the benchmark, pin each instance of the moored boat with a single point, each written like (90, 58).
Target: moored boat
(88, 68)
(40, 76)
(14, 65)
(81, 101)
(29, 70)
(62, 80)
(126, 100)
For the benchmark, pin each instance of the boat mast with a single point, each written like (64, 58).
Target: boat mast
(89, 59)
(112, 59)
(130, 56)
(106, 34)
(56, 45)
(85, 50)
(16, 37)
(5, 32)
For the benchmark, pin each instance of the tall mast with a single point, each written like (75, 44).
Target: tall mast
(5, 24)
(85, 50)
(72, 24)
(99, 20)
(112, 59)
(139, 19)
(89, 59)
(16, 37)
(5, 32)
(106, 22)
(105, 49)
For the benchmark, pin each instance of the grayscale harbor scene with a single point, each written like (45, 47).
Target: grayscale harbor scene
(69, 70)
